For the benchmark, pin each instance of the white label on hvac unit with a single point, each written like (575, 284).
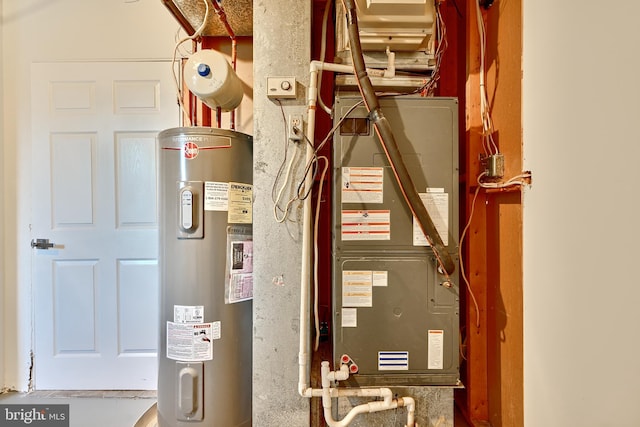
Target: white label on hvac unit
(380, 278)
(349, 317)
(362, 185)
(436, 349)
(393, 360)
(240, 203)
(189, 342)
(437, 203)
(357, 288)
(366, 225)
(216, 196)
(188, 313)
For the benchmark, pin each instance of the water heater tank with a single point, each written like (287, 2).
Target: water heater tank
(206, 278)
(210, 77)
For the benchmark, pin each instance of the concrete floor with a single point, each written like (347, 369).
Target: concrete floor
(110, 408)
(91, 408)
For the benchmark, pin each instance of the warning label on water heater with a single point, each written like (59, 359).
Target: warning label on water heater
(240, 203)
(189, 342)
(188, 313)
(216, 196)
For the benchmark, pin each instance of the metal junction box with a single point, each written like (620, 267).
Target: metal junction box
(393, 313)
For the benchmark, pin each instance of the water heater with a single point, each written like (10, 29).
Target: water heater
(206, 278)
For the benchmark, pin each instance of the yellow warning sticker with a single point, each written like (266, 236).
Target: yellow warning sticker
(240, 203)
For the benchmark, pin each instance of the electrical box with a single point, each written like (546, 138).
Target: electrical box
(394, 314)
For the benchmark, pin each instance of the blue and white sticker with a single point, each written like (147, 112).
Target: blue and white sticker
(393, 360)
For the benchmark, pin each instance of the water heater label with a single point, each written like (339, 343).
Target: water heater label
(216, 330)
(189, 342)
(436, 349)
(241, 271)
(437, 203)
(188, 313)
(240, 203)
(216, 196)
(362, 185)
(239, 264)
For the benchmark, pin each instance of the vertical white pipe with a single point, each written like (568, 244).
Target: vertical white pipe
(305, 273)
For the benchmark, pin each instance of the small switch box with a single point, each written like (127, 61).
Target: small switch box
(281, 87)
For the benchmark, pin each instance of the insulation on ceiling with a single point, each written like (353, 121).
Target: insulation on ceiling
(190, 14)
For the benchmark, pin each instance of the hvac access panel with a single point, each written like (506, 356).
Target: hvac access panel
(394, 314)
(370, 212)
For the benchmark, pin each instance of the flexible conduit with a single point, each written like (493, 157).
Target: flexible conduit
(383, 130)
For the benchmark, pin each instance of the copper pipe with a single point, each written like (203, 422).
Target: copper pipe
(234, 58)
(223, 18)
(234, 49)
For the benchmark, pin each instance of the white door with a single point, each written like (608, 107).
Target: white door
(95, 197)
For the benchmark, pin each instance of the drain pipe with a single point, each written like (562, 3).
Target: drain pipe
(383, 129)
(387, 403)
(305, 274)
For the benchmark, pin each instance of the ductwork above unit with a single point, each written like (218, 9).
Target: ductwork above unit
(405, 25)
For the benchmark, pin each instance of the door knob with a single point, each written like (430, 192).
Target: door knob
(41, 244)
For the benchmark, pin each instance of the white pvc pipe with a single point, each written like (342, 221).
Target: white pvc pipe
(387, 403)
(305, 273)
(340, 375)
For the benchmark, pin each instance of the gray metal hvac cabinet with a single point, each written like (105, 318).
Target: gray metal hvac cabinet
(392, 315)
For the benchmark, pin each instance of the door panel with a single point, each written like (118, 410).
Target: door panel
(95, 196)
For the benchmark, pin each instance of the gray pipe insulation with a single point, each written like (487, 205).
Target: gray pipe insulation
(383, 129)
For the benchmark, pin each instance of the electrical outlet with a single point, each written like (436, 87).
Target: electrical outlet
(296, 127)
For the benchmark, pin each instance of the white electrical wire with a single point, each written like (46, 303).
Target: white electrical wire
(301, 193)
(277, 198)
(175, 54)
(516, 180)
(489, 144)
(520, 179)
(462, 271)
(276, 202)
(442, 42)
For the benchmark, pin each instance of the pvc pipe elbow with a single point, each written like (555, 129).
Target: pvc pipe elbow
(341, 375)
